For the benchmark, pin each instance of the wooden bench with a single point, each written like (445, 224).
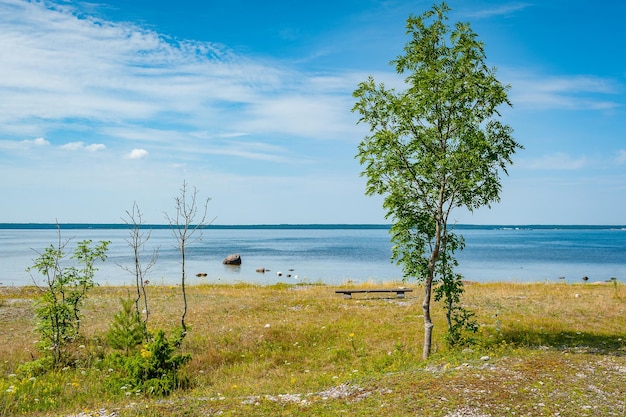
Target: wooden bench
(399, 291)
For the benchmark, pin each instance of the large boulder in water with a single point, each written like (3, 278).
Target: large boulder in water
(234, 259)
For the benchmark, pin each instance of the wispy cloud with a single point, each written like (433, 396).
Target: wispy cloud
(500, 10)
(559, 161)
(40, 143)
(23, 144)
(60, 72)
(577, 92)
(621, 156)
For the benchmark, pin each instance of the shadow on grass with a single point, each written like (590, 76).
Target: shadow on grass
(581, 342)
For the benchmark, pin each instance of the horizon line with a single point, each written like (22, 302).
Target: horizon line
(83, 225)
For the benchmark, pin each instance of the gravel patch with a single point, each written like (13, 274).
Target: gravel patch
(343, 391)
(96, 413)
(467, 412)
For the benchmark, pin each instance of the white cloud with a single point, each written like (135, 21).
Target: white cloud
(77, 146)
(73, 146)
(95, 147)
(137, 154)
(558, 161)
(38, 142)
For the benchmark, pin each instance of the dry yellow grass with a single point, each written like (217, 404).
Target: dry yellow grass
(553, 349)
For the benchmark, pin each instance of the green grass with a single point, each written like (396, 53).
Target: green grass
(282, 350)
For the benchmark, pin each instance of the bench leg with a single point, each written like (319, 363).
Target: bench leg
(347, 295)
(400, 294)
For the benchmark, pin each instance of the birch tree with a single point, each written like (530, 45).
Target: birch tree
(436, 146)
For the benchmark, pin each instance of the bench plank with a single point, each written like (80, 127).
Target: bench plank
(399, 291)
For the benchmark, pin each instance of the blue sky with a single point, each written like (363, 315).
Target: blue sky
(109, 103)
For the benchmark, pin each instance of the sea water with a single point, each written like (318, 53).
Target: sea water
(330, 254)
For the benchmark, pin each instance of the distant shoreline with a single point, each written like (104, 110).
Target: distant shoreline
(116, 226)
(337, 226)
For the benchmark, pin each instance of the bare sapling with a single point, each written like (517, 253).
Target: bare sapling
(137, 240)
(187, 225)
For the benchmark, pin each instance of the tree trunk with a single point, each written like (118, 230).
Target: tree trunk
(428, 324)
(137, 274)
(428, 285)
(182, 282)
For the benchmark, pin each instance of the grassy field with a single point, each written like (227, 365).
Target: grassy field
(283, 350)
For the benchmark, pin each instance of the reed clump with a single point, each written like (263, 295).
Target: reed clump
(541, 349)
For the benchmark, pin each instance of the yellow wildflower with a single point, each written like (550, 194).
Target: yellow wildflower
(145, 353)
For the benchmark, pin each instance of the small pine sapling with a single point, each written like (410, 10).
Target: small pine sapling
(127, 330)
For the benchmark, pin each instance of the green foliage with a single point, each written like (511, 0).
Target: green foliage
(449, 290)
(434, 147)
(460, 322)
(127, 330)
(155, 369)
(58, 308)
(36, 367)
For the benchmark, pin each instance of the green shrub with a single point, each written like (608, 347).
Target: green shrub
(154, 369)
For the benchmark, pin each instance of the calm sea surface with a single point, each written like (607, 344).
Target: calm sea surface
(329, 254)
